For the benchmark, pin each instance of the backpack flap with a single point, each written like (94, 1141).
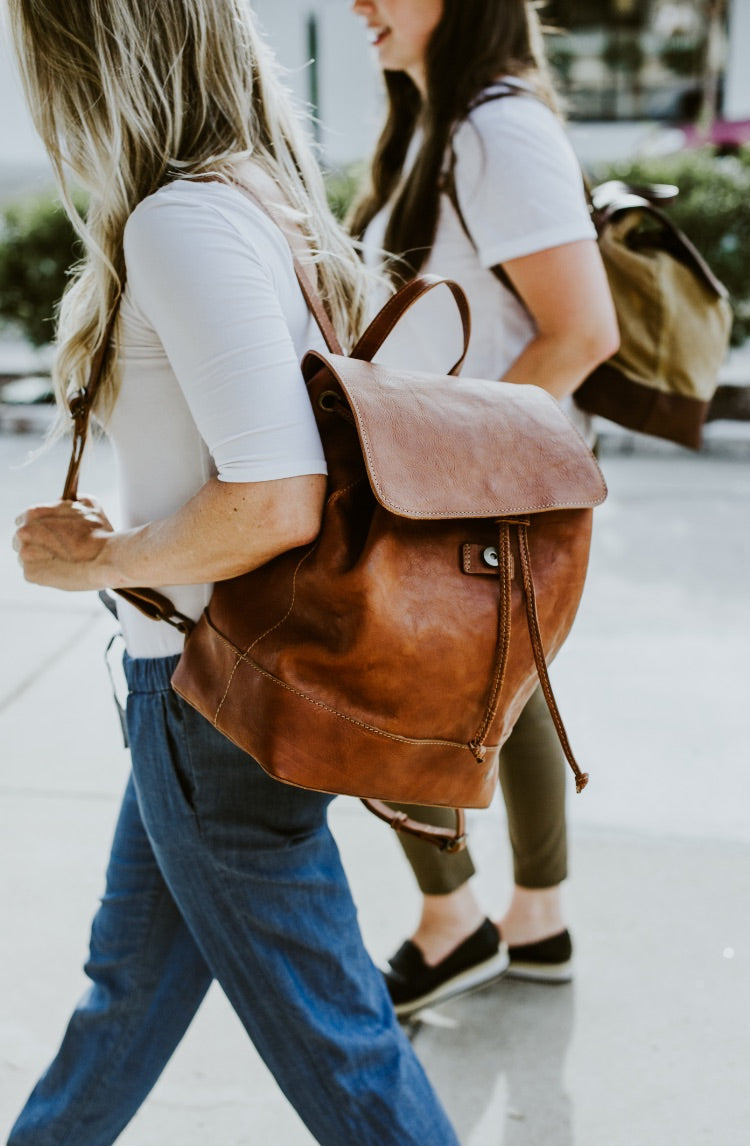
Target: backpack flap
(438, 447)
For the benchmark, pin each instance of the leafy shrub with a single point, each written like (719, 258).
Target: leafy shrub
(37, 247)
(713, 209)
(683, 55)
(38, 244)
(342, 184)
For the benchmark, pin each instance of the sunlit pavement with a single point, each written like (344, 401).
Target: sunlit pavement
(651, 1044)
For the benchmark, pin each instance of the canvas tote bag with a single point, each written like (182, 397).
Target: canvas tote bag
(674, 316)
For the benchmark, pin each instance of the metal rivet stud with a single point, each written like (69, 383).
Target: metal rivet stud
(328, 400)
(490, 557)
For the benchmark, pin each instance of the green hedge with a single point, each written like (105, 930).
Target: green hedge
(342, 184)
(38, 244)
(713, 209)
(37, 247)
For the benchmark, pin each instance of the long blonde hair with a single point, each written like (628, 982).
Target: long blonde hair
(128, 95)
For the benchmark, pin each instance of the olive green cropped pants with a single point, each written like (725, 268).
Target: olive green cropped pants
(532, 778)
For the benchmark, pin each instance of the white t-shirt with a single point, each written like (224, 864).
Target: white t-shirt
(520, 190)
(212, 329)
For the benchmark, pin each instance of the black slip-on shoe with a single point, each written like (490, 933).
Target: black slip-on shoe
(412, 984)
(546, 961)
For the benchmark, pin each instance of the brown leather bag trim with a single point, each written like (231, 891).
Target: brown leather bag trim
(358, 382)
(443, 838)
(611, 394)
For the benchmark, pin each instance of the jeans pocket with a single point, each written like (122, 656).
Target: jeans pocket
(179, 751)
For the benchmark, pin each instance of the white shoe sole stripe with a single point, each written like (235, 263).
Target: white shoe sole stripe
(470, 980)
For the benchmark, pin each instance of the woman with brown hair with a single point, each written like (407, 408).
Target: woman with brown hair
(473, 179)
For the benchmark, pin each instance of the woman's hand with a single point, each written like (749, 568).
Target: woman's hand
(225, 529)
(62, 545)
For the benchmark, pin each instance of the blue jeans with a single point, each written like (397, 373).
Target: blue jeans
(219, 871)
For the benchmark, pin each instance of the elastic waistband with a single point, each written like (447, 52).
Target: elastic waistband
(149, 674)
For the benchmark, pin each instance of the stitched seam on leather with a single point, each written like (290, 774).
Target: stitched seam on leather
(237, 663)
(300, 563)
(350, 719)
(321, 704)
(483, 512)
(467, 558)
(492, 512)
(311, 550)
(241, 656)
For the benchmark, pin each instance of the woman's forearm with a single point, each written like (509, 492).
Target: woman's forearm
(560, 364)
(566, 292)
(224, 530)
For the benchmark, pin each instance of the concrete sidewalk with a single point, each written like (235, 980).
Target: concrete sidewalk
(651, 1044)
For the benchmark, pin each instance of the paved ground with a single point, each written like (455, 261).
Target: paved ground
(651, 1045)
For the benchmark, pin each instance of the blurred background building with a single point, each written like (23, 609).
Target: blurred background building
(634, 66)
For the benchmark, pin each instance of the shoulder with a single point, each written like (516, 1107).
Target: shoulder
(186, 217)
(517, 180)
(515, 144)
(495, 125)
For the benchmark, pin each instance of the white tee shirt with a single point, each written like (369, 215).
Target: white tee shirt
(520, 190)
(212, 329)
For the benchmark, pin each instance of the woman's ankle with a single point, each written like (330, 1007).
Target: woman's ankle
(445, 922)
(533, 914)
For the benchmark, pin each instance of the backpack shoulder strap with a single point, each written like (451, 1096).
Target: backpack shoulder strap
(504, 89)
(500, 90)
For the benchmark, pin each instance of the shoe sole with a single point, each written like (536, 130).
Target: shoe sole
(540, 972)
(481, 975)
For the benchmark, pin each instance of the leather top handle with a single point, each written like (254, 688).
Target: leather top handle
(397, 306)
(381, 326)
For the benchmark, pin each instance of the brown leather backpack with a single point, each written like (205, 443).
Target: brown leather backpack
(390, 658)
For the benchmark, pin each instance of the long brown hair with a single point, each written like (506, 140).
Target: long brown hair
(474, 44)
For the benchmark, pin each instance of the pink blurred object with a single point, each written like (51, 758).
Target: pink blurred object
(725, 133)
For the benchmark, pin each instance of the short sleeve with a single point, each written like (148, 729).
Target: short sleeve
(518, 182)
(212, 292)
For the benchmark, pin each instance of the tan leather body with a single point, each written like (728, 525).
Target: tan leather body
(364, 663)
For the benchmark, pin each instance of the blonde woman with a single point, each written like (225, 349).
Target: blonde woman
(473, 178)
(216, 870)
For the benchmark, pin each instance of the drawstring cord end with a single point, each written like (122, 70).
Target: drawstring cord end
(478, 751)
(582, 780)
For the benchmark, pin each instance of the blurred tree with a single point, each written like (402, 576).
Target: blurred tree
(38, 246)
(623, 56)
(684, 55)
